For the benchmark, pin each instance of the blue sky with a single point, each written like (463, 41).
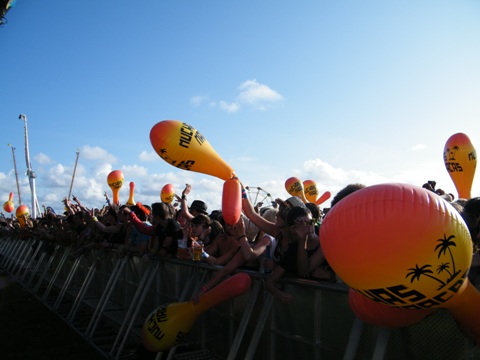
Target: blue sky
(331, 91)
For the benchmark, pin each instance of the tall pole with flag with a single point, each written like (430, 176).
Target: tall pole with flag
(31, 174)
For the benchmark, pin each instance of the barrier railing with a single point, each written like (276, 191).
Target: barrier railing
(106, 299)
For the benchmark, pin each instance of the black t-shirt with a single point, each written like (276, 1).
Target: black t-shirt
(289, 258)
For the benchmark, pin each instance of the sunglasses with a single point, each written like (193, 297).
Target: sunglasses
(304, 221)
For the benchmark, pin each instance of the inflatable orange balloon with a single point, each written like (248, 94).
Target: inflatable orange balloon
(131, 201)
(375, 313)
(22, 213)
(115, 181)
(231, 201)
(9, 206)
(294, 187)
(184, 147)
(403, 246)
(310, 190)
(167, 194)
(325, 196)
(460, 160)
(167, 325)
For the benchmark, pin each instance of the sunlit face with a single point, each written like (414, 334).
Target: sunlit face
(196, 229)
(304, 225)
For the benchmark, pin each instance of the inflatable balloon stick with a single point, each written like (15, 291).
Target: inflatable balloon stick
(131, 201)
(167, 194)
(184, 147)
(167, 325)
(231, 201)
(9, 206)
(310, 190)
(115, 181)
(294, 187)
(460, 160)
(325, 196)
(407, 248)
(22, 214)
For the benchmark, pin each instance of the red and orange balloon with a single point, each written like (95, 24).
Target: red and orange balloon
(294, 187)
(403, 246)
(115, 182)
(460, 160)
(167, 194)
(184, 147)
(8, 205)
(22, 213)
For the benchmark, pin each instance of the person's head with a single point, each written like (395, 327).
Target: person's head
(270, 214)
(314, 209)
(160, 211)
(300, 221)
(139, 212)
(198, 207)
(284, 208)
(198, 224)
(471, 214)
(347, 190)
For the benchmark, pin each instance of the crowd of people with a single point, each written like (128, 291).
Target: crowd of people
(278, 240)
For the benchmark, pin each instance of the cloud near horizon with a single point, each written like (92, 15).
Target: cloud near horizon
(251, 93)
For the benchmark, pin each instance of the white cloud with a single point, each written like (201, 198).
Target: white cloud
(251, 93)
(254, 93)
(96, 153)
(419, 147)
(148, 156)
(198, 100)
(43, 159)
(231, 108)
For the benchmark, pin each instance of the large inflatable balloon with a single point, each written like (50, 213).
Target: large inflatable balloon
(167, 194)
(8, 205)
(325, 196)
(231, 201)
(403, 246)
(115, 181)
(167, 325)
(131, 195)
(294, 187)
(22, 213)
(378, 314)
(460, 160)
(184, 147)
(310, 190)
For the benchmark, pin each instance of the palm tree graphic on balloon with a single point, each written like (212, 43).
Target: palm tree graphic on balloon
(445, 244)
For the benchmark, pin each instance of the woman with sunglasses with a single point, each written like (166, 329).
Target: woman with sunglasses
(304, 257)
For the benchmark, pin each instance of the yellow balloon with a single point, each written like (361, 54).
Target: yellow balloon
(184, 147)
(294, 187)
(460, 160)
(310, 190)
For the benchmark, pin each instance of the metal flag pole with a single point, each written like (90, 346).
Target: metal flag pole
(31, 174)
(73, 175)
(16, 174)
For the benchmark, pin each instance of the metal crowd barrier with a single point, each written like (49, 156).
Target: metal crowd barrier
(106, 299)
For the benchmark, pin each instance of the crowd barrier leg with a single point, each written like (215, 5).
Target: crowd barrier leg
(84, 288)
(257, 333)
(381, 344)
(247, 314)
(53, 279)
(67, 282)
(21, 256)
(112, 281)
(46, 269)
(34, 256)
(37, 266)
(132, 313)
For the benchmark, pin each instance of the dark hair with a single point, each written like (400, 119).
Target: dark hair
(201, 219)
(314, 210)
(296, 212)
(347, 190)
(470, 213)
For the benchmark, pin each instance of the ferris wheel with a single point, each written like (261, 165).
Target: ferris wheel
(259, 197)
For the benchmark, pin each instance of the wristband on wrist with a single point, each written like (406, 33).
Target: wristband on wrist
(242, 236)
(244, 194)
